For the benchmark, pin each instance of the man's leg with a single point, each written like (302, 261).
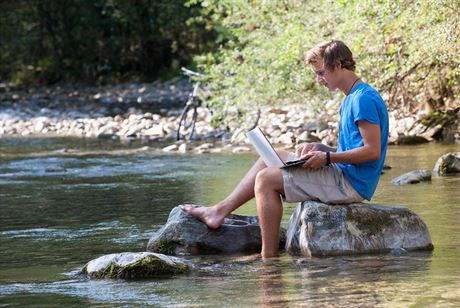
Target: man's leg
(268, 187)
(214, 216)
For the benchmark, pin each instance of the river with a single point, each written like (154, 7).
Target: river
(65, 201)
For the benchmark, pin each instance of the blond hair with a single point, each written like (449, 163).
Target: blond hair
(332, 53)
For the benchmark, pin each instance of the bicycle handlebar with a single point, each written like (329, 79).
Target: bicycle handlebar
(190, 73)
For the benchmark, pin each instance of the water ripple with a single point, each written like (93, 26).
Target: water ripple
(126, 234)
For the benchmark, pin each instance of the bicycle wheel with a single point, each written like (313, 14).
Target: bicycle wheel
(187, 122)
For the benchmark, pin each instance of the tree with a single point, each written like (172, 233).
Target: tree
(47, 41)
(408, 49)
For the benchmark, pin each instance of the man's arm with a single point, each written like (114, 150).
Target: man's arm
(369, 151)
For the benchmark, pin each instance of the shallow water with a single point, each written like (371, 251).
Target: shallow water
(64, 202)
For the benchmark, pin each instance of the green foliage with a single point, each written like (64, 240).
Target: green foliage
(46, 41)
(252, 51)
(407, 49)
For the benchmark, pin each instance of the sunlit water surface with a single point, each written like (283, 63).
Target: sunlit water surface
(64, 202)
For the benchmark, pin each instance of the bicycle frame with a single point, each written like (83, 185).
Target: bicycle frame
(187, 121)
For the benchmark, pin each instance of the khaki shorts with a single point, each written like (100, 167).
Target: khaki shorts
(327, 184)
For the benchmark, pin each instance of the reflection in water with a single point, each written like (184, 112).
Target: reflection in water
(369, 280)
(272, 287)
(60, 209)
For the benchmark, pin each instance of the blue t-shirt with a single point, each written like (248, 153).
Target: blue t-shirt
(363, 103)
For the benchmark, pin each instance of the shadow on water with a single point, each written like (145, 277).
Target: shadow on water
(60, 209)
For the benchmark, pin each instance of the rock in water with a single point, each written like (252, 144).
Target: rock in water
(135, 265)
(185, 235)
(318, 229)
(410, 140)
(412, 177)
(447, 164)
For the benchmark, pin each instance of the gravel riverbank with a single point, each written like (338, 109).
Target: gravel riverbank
(150, 112)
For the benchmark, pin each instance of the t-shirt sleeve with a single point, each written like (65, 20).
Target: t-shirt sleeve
(365, 108)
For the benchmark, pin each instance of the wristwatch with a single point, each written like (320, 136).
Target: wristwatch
(328, 158)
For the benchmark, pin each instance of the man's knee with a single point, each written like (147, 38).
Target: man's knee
(268, 178)
(262, 177)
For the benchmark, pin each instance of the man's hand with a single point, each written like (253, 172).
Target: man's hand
(306, 148)
(316, 159)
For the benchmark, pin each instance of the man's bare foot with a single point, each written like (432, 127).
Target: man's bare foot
(208, 215)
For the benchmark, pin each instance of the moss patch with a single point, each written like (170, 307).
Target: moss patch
(166, 247)
(370, 221)
(443, 167)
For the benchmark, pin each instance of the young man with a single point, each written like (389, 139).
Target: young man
(347, 174)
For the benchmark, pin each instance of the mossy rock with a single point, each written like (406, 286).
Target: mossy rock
(185, 235)
(318, 229)
(132, 265)
(447, 164)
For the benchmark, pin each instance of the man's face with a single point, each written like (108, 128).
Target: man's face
(324, 76)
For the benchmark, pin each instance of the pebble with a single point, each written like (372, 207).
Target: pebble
(182, 148)
(241, 149)
(170, 148)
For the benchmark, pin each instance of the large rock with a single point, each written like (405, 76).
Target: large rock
(134, 265)
(185, 235)
(317, 229)
(447, 164)
(412, 177)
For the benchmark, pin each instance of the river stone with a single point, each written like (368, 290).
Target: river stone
(241, 149)
(318, 229)
(185, 235)
(135, 265)
(171, 148)
(447, 164)
(412, 177)
(411, 140)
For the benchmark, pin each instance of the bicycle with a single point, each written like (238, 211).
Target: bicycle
(189, 114)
